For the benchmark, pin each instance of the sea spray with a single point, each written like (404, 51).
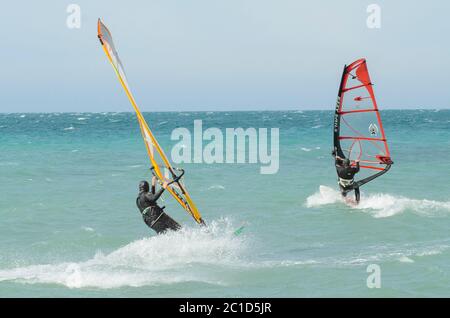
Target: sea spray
(381, 205)
(160, 259)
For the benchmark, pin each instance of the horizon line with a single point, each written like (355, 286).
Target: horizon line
(203, 111)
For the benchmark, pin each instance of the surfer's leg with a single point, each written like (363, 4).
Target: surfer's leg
(343, 191)
(148, 221)
(169, 223)
(161, 222)
(357, 195)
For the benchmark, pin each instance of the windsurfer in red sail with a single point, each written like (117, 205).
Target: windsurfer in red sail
(346, 173)
(358, 134)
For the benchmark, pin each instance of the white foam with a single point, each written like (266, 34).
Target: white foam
(405, 259)
(385, 205)
(69, 128)
(324, 196)
(216, 187)
(305, 149)
(163, 259)
(135, 166)
(433, 251)
(380, 205)
(403, 254)
(375, 254)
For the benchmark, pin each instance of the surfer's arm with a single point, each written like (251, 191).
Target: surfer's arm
(161, 190)
(357, 168)
(338, 161)
(158, 194)
(335, 155)
(153, 185)
(153, 197)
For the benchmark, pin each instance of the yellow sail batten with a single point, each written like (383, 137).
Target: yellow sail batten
(184, 198)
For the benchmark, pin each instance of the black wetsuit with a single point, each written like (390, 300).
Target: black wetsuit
(347, 173)
(154, 216)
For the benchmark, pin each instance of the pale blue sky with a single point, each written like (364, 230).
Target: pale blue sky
(221, 55)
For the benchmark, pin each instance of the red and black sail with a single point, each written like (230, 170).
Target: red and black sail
(358, 129)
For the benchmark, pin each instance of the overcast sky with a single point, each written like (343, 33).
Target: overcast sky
(221, 55)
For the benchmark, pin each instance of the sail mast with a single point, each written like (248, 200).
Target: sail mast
(176, 187)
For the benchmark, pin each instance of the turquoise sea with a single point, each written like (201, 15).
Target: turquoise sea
(69, 226)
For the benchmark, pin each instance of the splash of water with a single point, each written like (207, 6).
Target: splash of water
(380, 204)
(162, 259)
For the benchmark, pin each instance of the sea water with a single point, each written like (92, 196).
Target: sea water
(69, 226)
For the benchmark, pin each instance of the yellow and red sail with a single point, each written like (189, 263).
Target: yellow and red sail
(161, 166)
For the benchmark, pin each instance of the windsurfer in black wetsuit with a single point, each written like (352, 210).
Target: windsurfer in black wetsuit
(153, 215)
(346, 174)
